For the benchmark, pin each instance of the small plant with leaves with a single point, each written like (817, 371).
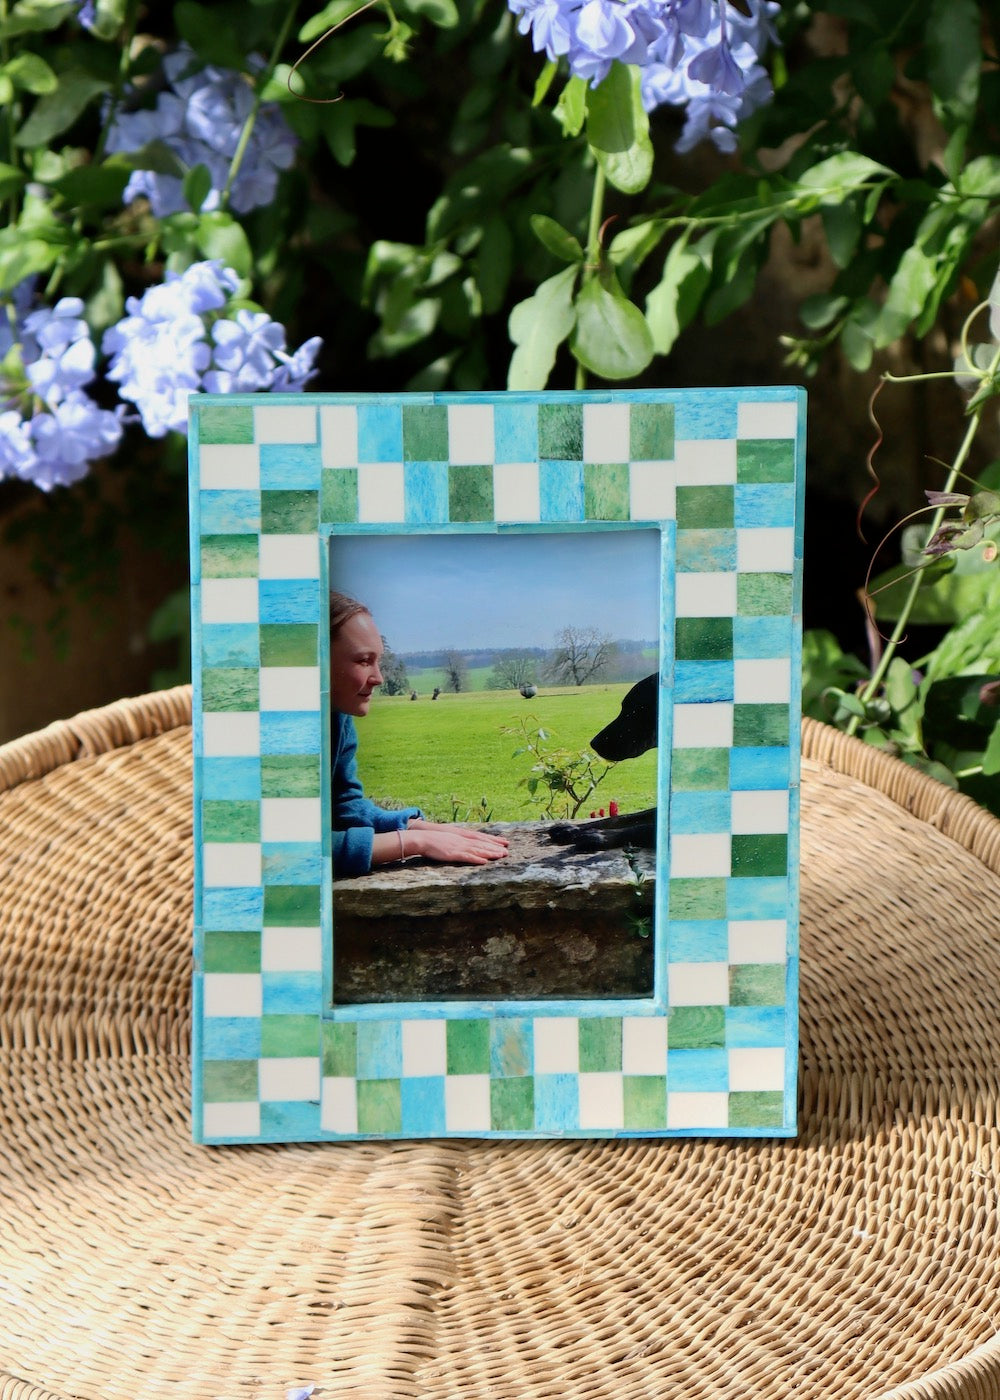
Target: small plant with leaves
(560, 780)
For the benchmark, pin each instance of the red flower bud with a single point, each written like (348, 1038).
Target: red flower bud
(613, 807)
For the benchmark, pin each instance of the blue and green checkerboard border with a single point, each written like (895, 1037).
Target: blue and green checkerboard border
(714, 1050)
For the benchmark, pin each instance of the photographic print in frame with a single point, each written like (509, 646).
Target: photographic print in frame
(513, 850)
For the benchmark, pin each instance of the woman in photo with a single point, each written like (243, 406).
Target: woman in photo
(364, 834)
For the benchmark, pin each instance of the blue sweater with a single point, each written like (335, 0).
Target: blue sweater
(355, 818)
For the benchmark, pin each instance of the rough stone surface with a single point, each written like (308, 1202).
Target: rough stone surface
(545, 922)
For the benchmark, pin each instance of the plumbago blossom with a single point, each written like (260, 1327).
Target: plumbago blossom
(176, 340)
(701, 55)
(200, 118)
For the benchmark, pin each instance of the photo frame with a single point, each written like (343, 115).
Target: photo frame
(711, 1047)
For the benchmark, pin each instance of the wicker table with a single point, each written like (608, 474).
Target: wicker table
(860, 1260)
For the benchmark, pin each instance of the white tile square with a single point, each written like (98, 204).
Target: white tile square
(229, 466)
(230, 864)
(516, 493)
(338, 1110)
(231, 1120)
(230, 600)
(606, 430)
(703, 726)
(644, 1044)
(381, 493)
(289, 556)
(602, 1100)
(705, 595)
(234, 735)
(291, 819)
(470, 434)
(289, 688)
(698, 984)
(701, 857)
(467, 1103)
(762, 682)
(338, 435)
(289, 1080)
(706, 462)
(425, 1048)
(767, 420)
(285, 423)
(291, 950)
(694, 1111)
(652, 491)
(769, 550)
(557, 1045)
(232, 993)
(756, 1069)
(754, 813)
(758, 940)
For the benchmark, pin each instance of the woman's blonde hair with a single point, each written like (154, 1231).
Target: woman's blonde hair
(342, 609)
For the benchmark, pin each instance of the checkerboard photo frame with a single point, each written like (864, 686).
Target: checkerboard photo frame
(712, 1050)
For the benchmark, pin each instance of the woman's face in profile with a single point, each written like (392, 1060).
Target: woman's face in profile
(355, 652)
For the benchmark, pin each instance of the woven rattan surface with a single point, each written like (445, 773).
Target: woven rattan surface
(860, 1260)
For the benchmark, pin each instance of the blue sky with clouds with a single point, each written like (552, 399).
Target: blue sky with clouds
(502, 590)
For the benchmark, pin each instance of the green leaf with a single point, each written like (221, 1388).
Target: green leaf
(109, 16)
(57, 111)
(35, 17)
(544, 81)
(156, 156)
(612, 337)
(840, 174)
(326, 18)
(559, 241)
(981, 178)
(443, 13)
(31, 73)
(842, 226)
(100, 186)
(212, 42)
(220, 236)
(618, 130)
(538, 326)
(494, 260)
(197, 187)
(11, 180)
(571, 109)
(954, 59)
(25, 258)
(672, 303)
(991, 754)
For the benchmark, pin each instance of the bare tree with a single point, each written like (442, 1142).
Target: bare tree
(456, 672)
(580, 653)
(511, 672)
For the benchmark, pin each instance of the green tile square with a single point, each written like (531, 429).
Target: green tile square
(338, 497)
(704, 639)
(289, 644)
(230, 688)
(468, 1047)
(699, 770)
(600, 1044)
(764, 595)
(512, 1105)
(290, 775)
(696, 1028)
(764, 1108)
(288, 512)
(761, 726)
(760, 855)
(340, 1049)
(757, 984)
(606, 491)
(380, 1108)
(701, 898)
(230, 556)
(705, 508)
(425, 433)
(295, 1037)
(231, 950)
(761, 461)
(651, 432)
(230, 1081)
(470, 493)
(291, 906)
(230, 821)
(224, 423)
(645, 1101)
(560, 431)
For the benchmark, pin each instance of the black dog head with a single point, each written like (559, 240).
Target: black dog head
(634, 731)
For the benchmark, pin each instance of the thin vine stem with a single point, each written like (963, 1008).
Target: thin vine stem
(593, 262)
(251, 121)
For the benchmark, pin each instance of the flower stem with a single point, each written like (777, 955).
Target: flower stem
(594, 250)
(251, 121)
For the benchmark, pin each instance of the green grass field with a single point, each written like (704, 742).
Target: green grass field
(425, 753)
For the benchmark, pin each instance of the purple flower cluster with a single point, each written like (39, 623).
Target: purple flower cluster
(50, 427)
(702, 55)
(200, 118)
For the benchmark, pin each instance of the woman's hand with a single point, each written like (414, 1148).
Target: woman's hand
(451, 844)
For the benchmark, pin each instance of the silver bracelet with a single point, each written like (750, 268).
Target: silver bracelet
(402, 849)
